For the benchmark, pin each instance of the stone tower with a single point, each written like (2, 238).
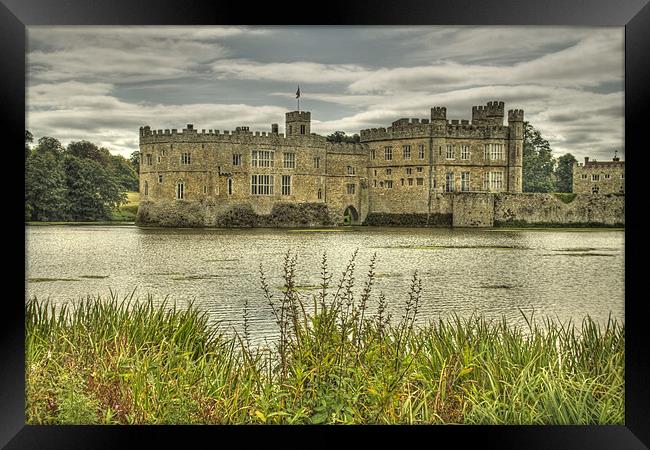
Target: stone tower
(515, 149)
(298, 123)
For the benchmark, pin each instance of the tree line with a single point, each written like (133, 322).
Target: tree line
(80, 182)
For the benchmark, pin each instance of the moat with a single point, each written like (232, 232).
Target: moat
(564, 274)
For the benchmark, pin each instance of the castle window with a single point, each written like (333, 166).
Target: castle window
(146, 188)
(286, 184)
(497, 151)
(381, 184)
(594, 190)
(486, 152)
(421, 151)
(402, 181)
(317, 162)
(389, 171)
(464, 181)
(205, 189)
(449, 182)
(148, 159)
(389, 184)
(450, 151)
(440, 150)
(374, 183)
(607, 176)
(622, 176)
(464, 152)
(496, 180)
(320, 194)
(160, 177)
(290, 129)
(595, 177)
(302, 129)
(185, 158)
(351, 188)
(158, 159)
(236, 159)
(409, 170)
(406, 152)
(410, 181)
(372, 154)
(162, 152)
(351, 170)
(583, 176)
(262, 158)
(375, 172)
(419, 169)
(289, 160)
(262, 184)
(229, 186)
(180, 190)
(388, 153)
(420, 181)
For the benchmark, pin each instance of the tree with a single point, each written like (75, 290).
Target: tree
(45, 192)
(50, 145)
(340, 136)
(29, 138)
(564, 173)
(538, 162)
(134, 159)
(123, 173)
(92, 193)
(88, 150)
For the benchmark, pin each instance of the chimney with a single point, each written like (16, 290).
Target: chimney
(274, 128)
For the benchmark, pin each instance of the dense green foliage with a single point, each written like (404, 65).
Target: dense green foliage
(340, 136)
(82, 182)
(564, 173)
(538, 162)
(335, 361)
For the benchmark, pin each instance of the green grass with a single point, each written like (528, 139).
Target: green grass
(128, 211)
(565, 197)
(122, 361)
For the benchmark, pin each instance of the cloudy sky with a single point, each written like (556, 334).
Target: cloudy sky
(103, 83)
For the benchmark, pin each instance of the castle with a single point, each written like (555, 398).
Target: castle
(414, 166)
(599, 177)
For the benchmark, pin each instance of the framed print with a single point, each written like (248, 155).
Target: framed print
(376, 218)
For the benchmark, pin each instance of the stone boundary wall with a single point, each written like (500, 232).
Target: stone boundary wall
(470, 209)
(195, 214)
(547, 209)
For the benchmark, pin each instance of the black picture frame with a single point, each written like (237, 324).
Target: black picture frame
(634, 15)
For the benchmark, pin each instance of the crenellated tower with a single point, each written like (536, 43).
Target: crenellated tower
(515, 149)
(494, 113)
(298, 123)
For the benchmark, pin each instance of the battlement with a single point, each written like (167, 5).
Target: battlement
(516, 115)
(298, 116)
(494, 109)
(240, 134)
(438, 113)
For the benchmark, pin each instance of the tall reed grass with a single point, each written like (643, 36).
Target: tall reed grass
(335, 361)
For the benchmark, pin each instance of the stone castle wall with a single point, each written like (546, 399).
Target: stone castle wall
(435, 172)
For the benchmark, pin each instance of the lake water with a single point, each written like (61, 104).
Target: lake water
(565, 274)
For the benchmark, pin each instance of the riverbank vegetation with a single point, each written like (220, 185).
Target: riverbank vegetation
(339, 357)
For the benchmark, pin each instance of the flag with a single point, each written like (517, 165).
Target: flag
(298, 92)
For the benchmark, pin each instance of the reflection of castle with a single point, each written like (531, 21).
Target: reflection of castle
(405, 168)
(599, 177)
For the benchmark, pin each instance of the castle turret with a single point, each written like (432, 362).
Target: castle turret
(298, 123)
(494, 113)
(515, 149)
(478, 116)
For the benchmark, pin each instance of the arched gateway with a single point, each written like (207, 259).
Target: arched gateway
(350, 216)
